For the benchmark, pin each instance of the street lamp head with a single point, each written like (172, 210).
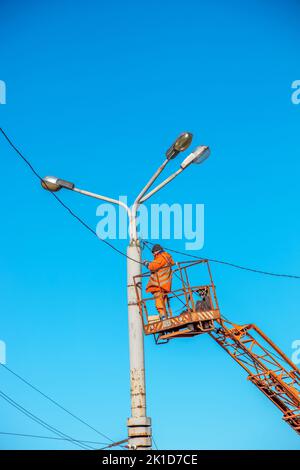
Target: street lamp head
(50, 183)
(182, 142)
(198, 156)
(54, 184)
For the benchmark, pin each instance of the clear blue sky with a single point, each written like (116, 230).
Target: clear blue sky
(96, 91)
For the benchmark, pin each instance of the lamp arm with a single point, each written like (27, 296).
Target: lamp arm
(104, 198)
(150, 182)
(161, 185)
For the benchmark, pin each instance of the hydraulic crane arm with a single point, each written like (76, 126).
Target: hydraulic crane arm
(268, 367)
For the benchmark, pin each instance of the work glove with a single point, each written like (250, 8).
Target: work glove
(146, 263)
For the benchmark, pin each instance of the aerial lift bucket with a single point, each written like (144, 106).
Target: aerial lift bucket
(191, 306)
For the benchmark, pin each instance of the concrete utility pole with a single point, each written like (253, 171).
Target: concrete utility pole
(139, 425)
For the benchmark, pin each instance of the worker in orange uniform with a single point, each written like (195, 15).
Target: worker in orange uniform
(160, 281)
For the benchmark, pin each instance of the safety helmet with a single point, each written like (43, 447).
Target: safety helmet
(156, 248)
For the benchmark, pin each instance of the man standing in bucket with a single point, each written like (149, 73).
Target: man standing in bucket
(160, 282)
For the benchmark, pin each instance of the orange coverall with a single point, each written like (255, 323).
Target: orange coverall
(160, 281)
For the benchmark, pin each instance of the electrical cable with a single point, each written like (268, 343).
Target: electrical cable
(42, 422)
(154, 442)
(268, 273)
(64, 205)
(48, 437)
(115, 444)
(56, 403)
(72, 213)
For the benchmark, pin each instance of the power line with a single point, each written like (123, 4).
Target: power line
(258, 271)
(48, 437)
(82, 441)
(81, 221)
(42, 422)
(64, 205)
(115, 444)
(55, 402)
(84, 224)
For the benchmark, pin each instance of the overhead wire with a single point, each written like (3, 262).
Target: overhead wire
(81, 221)
(258, 271)
(41, 422)
(154, 442)
(115, 444)
(35, 436)
(55, 402)
(63, 204)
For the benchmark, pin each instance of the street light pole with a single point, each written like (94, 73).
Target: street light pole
(139, 425)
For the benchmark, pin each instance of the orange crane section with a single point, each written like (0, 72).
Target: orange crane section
(268, 367)
(192, 309)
